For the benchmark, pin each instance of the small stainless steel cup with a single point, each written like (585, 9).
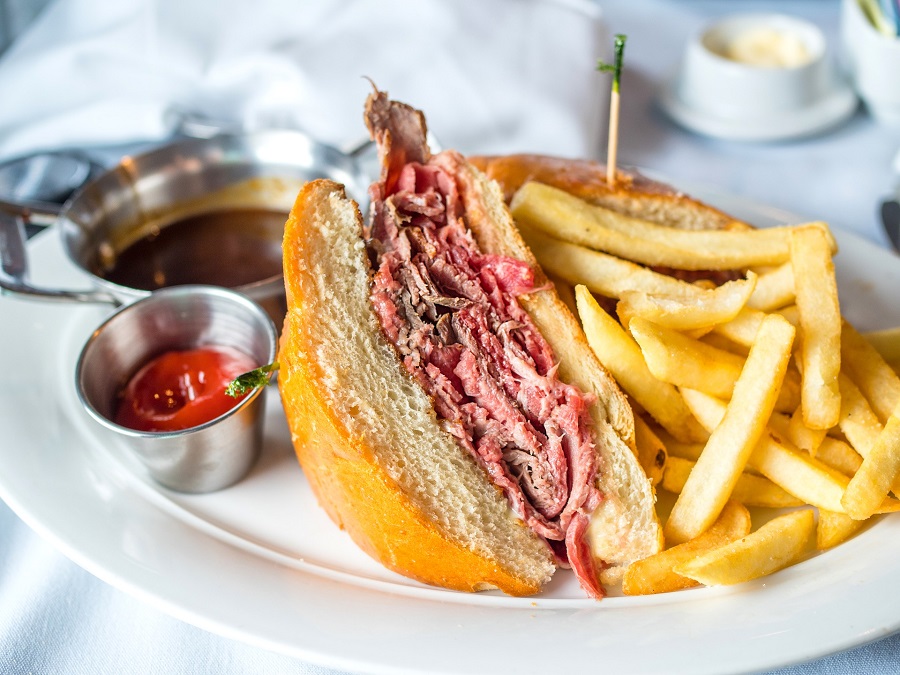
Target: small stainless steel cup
(204, 458)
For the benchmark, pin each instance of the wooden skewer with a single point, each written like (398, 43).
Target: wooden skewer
(612, 145)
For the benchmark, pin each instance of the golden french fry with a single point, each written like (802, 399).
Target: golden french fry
(604, 274)
(750, 490)
(733, 440)
(651, 452)
(654, 574)
(833, 528)
(858, 422)
(685, 362)
(802, 436)
(839, 455)
(820, 321)
(791, 314)
(774, 289)
(831, 452)
(743, 328)
(809, 480)
(879, 472)
(721, 342)
(777, 544)
(870, 372)
(563, 216)
(718, 305)
(620, 354)
(795, 471)
(688, 363)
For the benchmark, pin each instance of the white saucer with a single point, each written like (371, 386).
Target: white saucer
(830, 110)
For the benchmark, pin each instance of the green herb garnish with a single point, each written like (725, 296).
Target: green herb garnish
(615, 68)
(258, 377)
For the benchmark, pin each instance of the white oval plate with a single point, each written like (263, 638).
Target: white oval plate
(261, 563)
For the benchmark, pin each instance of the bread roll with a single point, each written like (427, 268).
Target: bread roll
(633, 194)
(378, 457)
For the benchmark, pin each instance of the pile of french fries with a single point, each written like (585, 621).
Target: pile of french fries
(752, 393)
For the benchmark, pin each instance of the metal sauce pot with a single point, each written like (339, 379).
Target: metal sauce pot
(145, 193)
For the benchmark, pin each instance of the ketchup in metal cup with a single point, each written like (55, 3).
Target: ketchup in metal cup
(182, 389)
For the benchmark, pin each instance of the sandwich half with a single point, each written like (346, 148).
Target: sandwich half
(443, 402)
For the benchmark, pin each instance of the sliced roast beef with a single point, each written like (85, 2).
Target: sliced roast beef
(453, 315)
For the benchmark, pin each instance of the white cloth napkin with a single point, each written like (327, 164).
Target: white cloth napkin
(491, 76)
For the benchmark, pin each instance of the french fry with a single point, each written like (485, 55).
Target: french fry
(839, 455)
(777, 544)
(685, 362)
(733, 440)
(721, 342)
(620, 354)
(750, 490)
(563, 216)
(831, 452)
(718, 305)
(651, 452)
(858, 422)
(820, 321)
(791, 314)
(870, 372)
(879, 472)
(773, 290)
(795, 471)
(809, 480)
(802, 436)
(602, 273)
(704, 389)
(834, 528)
(654, 574)
(743, 328)
(688, 363)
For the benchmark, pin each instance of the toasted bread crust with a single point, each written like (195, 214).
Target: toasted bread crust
(341, 465)
(633, 194)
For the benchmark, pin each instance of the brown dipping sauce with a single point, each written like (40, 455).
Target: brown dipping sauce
(227, 248)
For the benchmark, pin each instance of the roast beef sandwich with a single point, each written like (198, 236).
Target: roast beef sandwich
(443, 401)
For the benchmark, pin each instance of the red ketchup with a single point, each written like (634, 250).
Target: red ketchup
(182, 389)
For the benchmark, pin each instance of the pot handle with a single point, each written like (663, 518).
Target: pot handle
(14, 264)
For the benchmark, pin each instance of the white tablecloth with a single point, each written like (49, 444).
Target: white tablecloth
(57, 618)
